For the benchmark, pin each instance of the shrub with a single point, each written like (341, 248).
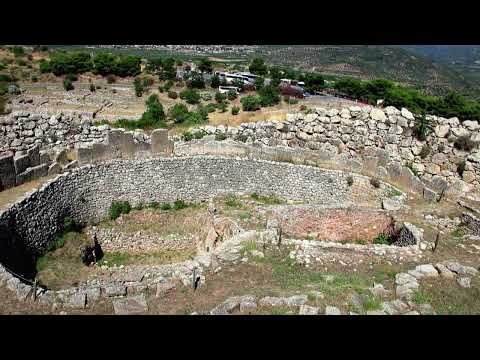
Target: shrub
(425, 151)
(209, 108)
(6, 78)
(72, 77)
(67, 85)
(154, 205)
(172, 94)
(461, 168)
(219, 97)
(465, 143)
(215, 82)
(166, 206)
(350, 180)
(196, 81)
(147, 82)
(269, 95)
(422, 128)
(168, 85)
(382, 239)
(258, 67)
(178, 113)
(34, 78)
(231, 95)
(222, 107)
(200, 116)
(111, 79)
(117, 208)
(235, 110)
(375, 183)
(18, 51)
(206, 96)
(259, 83)
(179, 204)
(92, 88)
(187, 136)
(138, 85)
(220, 136)
(199, 135)
(190, 96)
(161, 89)
(251, 103)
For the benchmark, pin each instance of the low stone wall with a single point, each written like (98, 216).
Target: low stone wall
(86, 193)
(356, 131)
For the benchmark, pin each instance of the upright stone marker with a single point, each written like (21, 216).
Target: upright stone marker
(160, 142)
(7, 171)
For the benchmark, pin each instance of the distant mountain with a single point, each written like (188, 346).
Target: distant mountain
(409, 66)
(451, 54)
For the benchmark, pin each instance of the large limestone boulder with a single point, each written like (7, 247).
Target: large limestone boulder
(442, 130)
(407, 114)
(378, 115)
(471, 125)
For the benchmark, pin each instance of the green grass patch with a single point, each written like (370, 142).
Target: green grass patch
(266, 200)
(117, 208)
(179, 204)
(393, 193)
(458, 233)
(249, 246)
(422, 297)
(232, 201)
(157, 257)
(381, 275)
(166, 207)
(371, 302)
(244, 215)
(382, 239)
(289, 275)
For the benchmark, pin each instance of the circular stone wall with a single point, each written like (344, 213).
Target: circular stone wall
(86, 193)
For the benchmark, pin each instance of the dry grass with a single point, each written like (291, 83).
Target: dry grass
(191, 220)
(63, 267)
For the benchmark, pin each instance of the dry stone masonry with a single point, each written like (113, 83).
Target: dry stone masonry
(355, 131)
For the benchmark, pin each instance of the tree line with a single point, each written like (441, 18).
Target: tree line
(62, 63)
(450, 105)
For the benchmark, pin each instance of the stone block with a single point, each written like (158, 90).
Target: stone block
(160, 142)
(84, 155)
(370, 165)
(21, 163)
(101, 152)
(131, 305)
(40, 170)
(429, 195)
(25, 176)
(7, 171)
(54, 169)
(34, 155)
(45, 157)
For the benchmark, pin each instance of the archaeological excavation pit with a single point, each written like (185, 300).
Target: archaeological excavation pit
(85, 194)
(334, 224)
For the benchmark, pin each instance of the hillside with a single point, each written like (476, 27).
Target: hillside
(368, 62)
(465, 59)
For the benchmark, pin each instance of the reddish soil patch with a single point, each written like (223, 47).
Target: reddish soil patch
(333, 224)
